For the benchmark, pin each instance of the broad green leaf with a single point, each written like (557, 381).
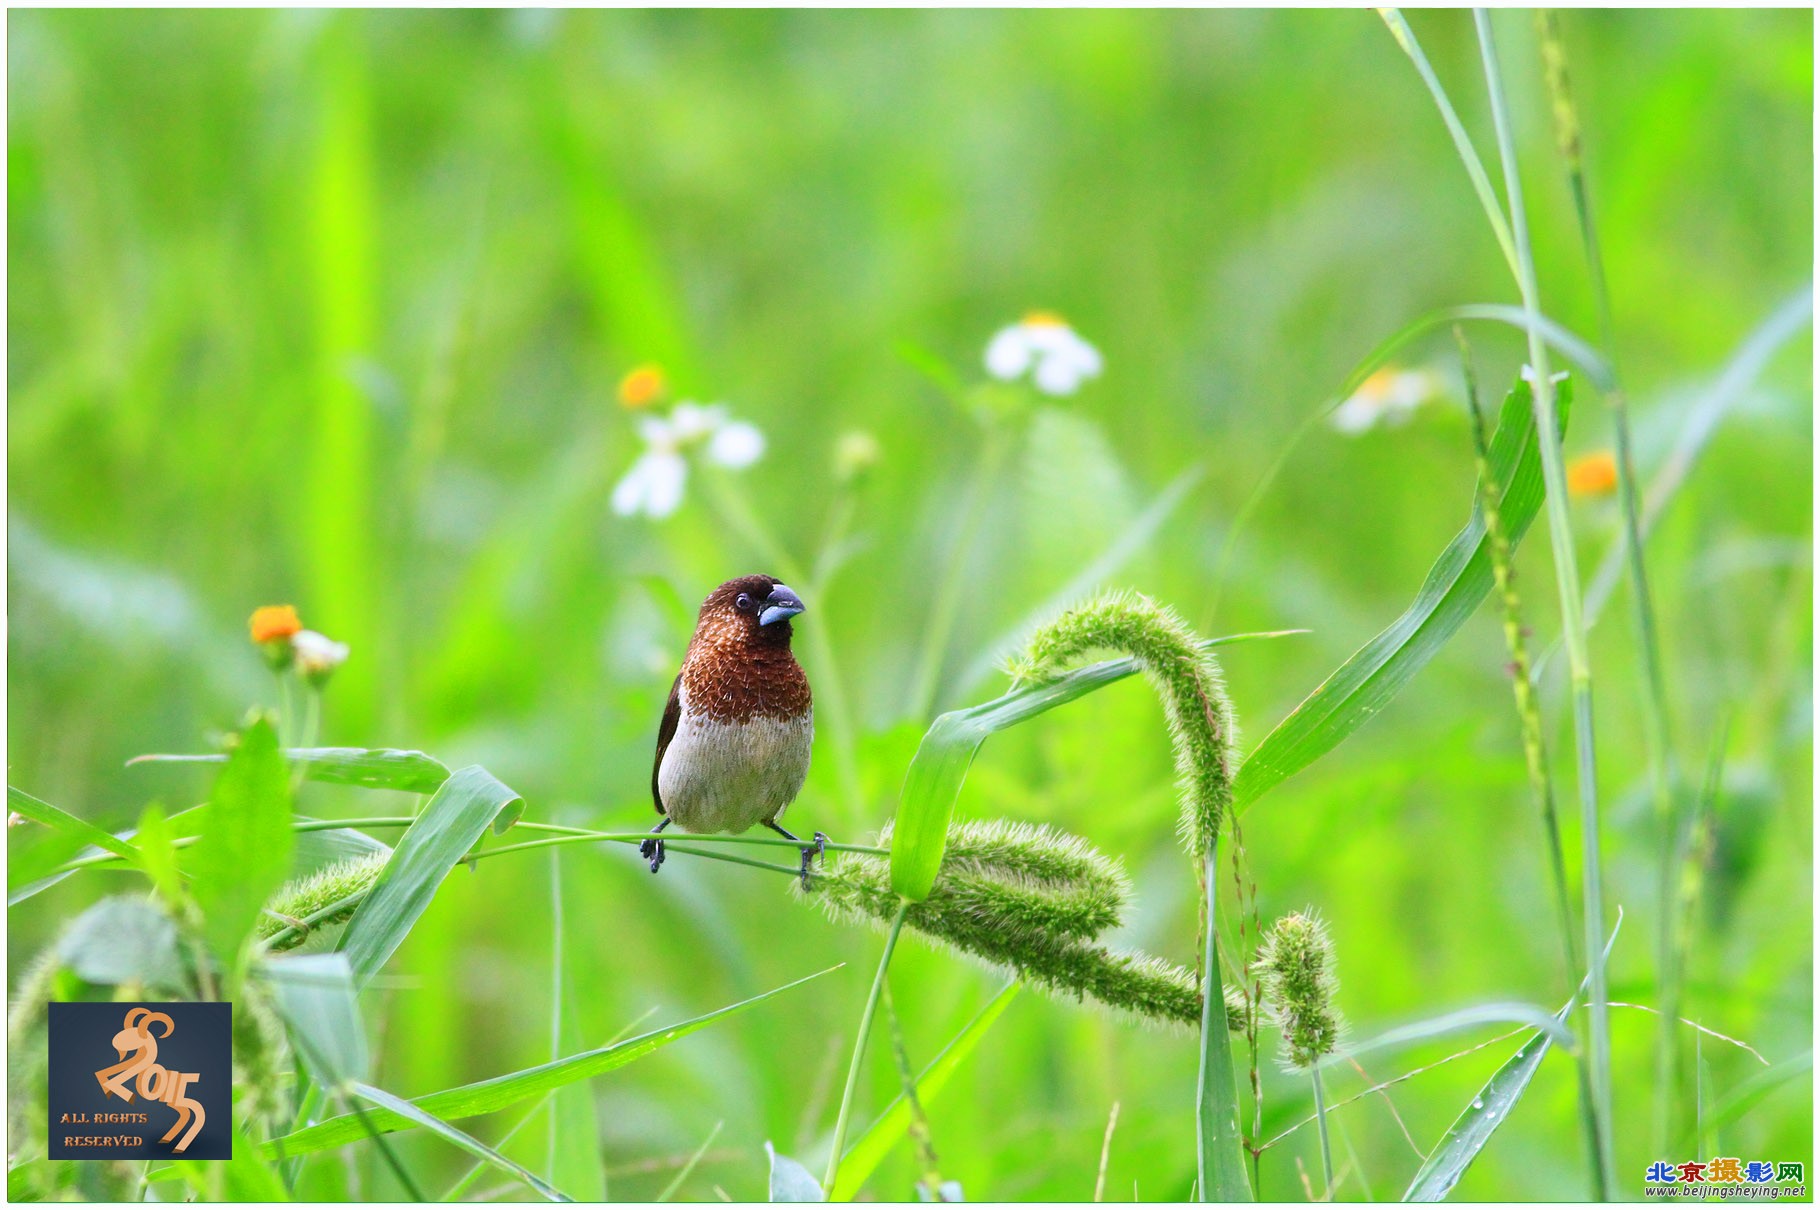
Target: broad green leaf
(467, 1142)
(489, 1096)
(56, 817)
(158, 848)
(863, 1158)
(374, 768)
(243, 850)
(1491, 1108)
(940, 766)
(316, 998)
(123, 939)
(458, 816)
(790, 1181)
(1456, 584)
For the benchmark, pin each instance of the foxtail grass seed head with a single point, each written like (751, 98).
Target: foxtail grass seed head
(1296, 968)
(1185, 677)
(339, 883)
(1029, 901)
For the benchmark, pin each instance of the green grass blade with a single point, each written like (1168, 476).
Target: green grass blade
(467, 1142)
(374, 768)
(1742, 1099)
(501, 1092)
(458, 816)
(1501, 1013)
(316, 998)
(947, 750)
(1219, 1143)
(870, 1149)
(1489, 1109)
(1459, 580)
(56, 817)
(790, 1181)
(243, 850)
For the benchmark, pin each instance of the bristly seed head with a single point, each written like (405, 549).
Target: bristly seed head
(1031, 901)
(1185, 676)
(1296, 967)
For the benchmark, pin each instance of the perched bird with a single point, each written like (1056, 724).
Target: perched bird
(733, 747)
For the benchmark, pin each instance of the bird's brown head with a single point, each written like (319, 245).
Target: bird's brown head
(752, 610)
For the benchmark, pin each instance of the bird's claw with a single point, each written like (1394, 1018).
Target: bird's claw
(816, 851)
(653, 851)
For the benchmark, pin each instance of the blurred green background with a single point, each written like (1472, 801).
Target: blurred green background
(331, 308)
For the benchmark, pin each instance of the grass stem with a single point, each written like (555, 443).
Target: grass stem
(859, 1050)
(1567, 580)
(1320, 1121)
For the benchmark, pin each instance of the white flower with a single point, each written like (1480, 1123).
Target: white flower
(654, 484)
(1389, 396)
(317, 655)
(1061, 359)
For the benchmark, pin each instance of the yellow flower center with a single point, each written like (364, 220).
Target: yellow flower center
(271, 622)
(1044, 319)
(643, 386)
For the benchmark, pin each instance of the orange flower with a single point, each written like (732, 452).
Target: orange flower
(273, 622)
(643, 386)
(1592, 474)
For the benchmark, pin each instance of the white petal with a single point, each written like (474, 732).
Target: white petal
(657, 432)
(736, 444)
(629, 493)
(692, 421)
(1009, 353)
(665, 474)
(1058, 375)
(1355, 416)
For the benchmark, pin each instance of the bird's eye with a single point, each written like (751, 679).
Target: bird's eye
(744, 604)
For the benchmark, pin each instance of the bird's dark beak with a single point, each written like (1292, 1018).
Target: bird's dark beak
(781, 604)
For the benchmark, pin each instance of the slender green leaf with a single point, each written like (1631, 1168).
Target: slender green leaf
(1459, 580)
(316, 998)
(790, 1181)
(457, 817)
(871, 1147)
(498, 1093)
(947, 750)
(1508, 1013)
(1489, 1109)
(682, 1174)
(1219, 1143)
(374, 768)
(467, 1142)
(56, 817)
(89, 856)
(243, 850)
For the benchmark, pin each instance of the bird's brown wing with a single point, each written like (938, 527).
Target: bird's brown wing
(666, 731)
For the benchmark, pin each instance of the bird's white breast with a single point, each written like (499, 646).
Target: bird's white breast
(730, 776)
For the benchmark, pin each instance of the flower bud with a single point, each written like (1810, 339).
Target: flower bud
(855, 453)
(271, 628)
(317, 656)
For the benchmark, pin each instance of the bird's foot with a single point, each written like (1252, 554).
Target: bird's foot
(653, 851)
(811, 852)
